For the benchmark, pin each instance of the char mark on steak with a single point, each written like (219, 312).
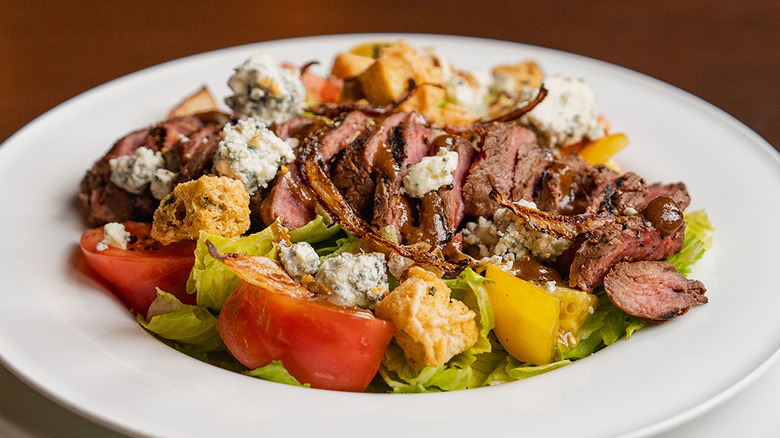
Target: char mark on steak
(632, 239)
(652, 290)
(494, 167)
(407, 144)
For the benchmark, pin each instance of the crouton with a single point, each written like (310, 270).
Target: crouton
(199, 102)
(217, 205)
(347, 65)
(519, 75)
(388, 77)
(431, 327)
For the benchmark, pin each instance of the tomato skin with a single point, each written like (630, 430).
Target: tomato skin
(327, 346)
(137, 271)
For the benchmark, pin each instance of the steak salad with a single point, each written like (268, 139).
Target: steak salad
(399, 225)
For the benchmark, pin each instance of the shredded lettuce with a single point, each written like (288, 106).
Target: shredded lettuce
(275, 372)
(698, 239)
(194, 326)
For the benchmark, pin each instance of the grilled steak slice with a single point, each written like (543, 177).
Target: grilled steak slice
(531, 164)
(353, 177)
(105, 202)
(631, 239)
(494, 166)
(654, 291)
(559, 188)
(452, 198)
(407, 144)
(344, 131)
(195, 157)
(289, 200)
(433, 227)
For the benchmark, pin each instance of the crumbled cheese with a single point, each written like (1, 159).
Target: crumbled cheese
(251, 153)
(354, 280)
(162, 183)
(469, 91)
(265, 91)
(568, 113)
(114, 236)
(431, 173)
(510, 238)
(133, 173)
(299, 259)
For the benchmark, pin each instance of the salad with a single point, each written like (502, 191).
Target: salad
(398, 225)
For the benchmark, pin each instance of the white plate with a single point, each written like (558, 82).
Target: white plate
(67, 337)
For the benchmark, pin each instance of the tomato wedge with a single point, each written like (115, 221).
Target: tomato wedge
(137, 271)
(327, 346)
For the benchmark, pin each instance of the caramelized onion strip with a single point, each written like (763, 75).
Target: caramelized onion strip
(261, 272)
(338, 208)
(556, 225)
(521, 111)
(332, 110)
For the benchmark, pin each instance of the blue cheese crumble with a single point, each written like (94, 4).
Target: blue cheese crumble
(508, 238)
(265, 91)
(299, 259)
(133, 173)
(251, 153)
(567, 115)
(114, 236)
(431, 173)
(162, 183)
(354, 279)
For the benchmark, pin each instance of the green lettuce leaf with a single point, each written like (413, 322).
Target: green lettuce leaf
(315, 231)
(401, 378)
(275, 372)
(698, 239)
(469, 287)
(510, 370)
(194, 326)
(603, 328)
(210, 278)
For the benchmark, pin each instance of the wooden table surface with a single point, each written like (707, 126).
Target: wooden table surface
(725, 52)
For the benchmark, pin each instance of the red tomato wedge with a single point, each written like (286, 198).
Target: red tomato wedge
(145, 265)
(327, 346)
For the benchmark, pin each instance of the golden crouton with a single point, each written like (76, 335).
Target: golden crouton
(217, 205)
(347, 65)
(388, 77)
(431, 327)
(199, 102)
(521, 74)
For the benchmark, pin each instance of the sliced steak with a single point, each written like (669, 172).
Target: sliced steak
(559, 188)
(532, 161)
(197, 155)
(494, 166)
(653, 291)
(353, 177)
(344, 131)
(452, 197)
(407, 144)
(632, 239)
(289, 200)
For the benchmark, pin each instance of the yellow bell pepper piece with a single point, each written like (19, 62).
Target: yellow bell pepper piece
(602, 150)
(371, 49)
(527, 317)
(576, 307)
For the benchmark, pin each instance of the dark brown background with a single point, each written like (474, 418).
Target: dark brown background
(725, 51)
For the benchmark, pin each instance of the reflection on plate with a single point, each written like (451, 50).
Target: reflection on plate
(62, 333)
